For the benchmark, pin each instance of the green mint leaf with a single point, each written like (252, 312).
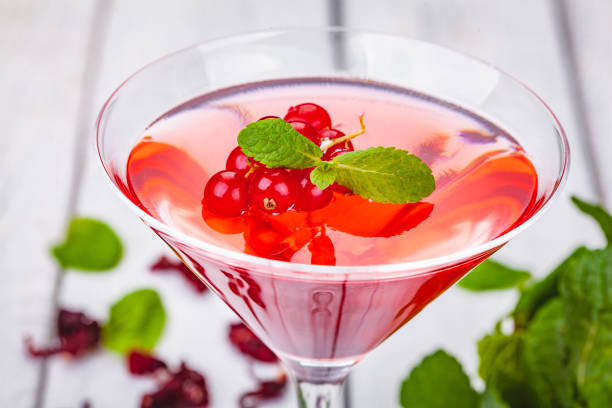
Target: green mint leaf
(438, 382)
(90, 245)
(546, 354)
(385, 174)
(275, 143)
(491, 399)
(600, 215)
(503, 368)
(323, 175)
(541, 292)
(136, 321)
(586, 292)
(492, 275)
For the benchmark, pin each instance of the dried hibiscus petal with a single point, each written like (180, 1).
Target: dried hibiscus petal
(76, 332)
(183, 389)
(166, 264)
(140, 363)
(246, 341)
(267, 390)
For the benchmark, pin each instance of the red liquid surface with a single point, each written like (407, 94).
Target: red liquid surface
(485, 186)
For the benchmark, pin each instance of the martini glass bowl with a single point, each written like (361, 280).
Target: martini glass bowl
(322, 320)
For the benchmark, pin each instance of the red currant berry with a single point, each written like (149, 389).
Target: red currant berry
(268, 117)
(225, 194)
(330, 134)
(337, 150)
(272, 190)
(311, 113)
(265, 236)
(310, 197)
(306, 130)
(339, 189)
(237, 161)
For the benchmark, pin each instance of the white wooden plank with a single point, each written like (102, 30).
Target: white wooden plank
(40, 77)
(589, 25)
(519, 37)
(140, 32)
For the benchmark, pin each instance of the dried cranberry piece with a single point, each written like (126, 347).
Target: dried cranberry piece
(164, 264)
(246, 341)
(267, 390)
(76, 332)
(86, 404)
(185, 388)
(140, 363)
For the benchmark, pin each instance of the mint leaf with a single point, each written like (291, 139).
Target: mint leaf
(438, 382)
(541, 292)
(90, 245)
(323, 175)
(600, 215)
(491, 399)
(136, 321)
(546, 355)
(384, 174)
(503, 368)
(586, 292)
(275, 143)
(492, 275)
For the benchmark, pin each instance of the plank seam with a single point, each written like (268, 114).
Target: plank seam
(336, 11)
(336, 14)
(100, 21)
(566, 36)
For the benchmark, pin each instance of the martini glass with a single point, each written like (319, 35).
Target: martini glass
(322, 320)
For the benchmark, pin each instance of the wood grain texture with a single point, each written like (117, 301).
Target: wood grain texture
(520, 37)
(42, 49)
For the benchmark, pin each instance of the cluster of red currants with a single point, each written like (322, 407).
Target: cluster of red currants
(245, 182)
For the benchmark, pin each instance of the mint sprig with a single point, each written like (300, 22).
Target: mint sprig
(136, 321)
(427, 385)
(274, 143)
(90, 246)
(383, 174)
(323, 175)
(492, 275)
(559, 353)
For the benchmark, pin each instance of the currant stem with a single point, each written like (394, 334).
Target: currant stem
(347, 138)
(252, 168)
(250, 171)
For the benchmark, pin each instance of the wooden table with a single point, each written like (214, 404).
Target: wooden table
(61, 59)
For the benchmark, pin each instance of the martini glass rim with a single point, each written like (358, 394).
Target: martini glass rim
(390, 270)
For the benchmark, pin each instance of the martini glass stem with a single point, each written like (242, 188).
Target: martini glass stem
(320, 386)
(320, 395)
